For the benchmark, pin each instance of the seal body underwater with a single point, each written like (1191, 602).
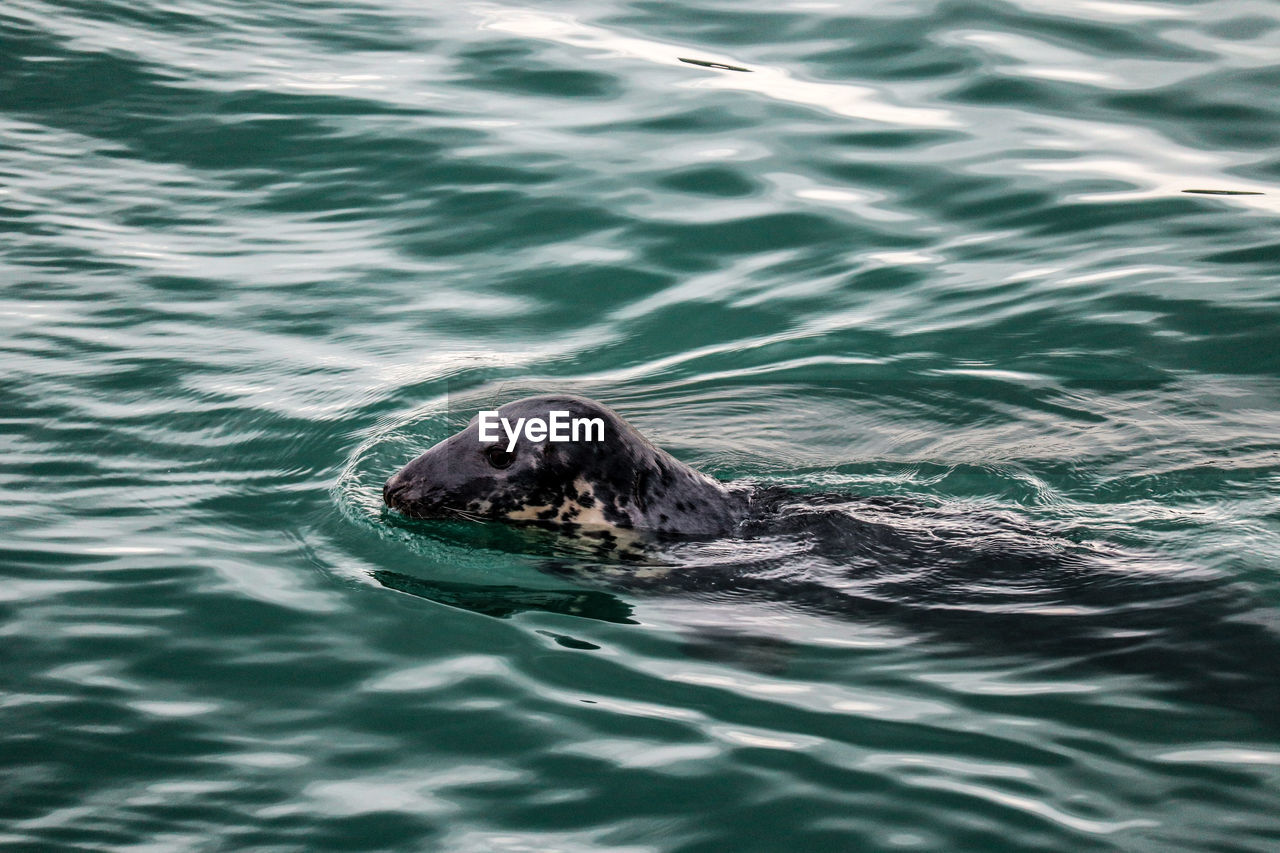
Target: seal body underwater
(953, 572)
(617, 488)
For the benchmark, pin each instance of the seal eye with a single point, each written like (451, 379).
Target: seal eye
(498, 457)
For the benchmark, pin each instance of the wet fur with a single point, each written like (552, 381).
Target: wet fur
(611, 494)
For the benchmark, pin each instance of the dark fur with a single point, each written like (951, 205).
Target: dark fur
(597, 490)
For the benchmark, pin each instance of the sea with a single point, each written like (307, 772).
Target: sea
(1010, 259)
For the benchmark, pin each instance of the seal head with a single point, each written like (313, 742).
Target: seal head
(580, 487)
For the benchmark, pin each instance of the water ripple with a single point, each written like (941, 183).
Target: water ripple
(989, 257)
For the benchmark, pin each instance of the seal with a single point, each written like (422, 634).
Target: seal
(955, 575)
(611, 490)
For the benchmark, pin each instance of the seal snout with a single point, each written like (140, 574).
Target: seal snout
(414, 490)
(395, 490)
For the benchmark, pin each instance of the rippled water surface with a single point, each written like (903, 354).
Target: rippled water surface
(257, 255)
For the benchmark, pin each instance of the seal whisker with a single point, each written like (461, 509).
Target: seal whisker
(462, 513)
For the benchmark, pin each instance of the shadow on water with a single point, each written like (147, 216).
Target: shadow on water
(503, 601)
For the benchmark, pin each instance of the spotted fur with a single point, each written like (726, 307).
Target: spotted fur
(610, 494)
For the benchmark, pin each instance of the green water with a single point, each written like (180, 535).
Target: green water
(257, 255)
